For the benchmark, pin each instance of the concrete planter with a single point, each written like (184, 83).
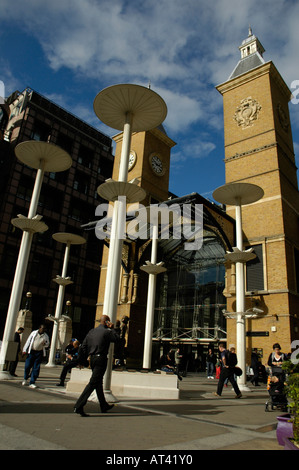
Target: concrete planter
(149, 385)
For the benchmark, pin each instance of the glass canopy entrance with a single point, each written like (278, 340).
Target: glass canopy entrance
(189, 297)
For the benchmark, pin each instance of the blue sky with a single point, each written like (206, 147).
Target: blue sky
(69, 50)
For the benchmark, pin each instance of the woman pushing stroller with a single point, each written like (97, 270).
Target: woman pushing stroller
(276, 359)
(276, 380)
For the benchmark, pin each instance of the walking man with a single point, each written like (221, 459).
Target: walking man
(228, 362)
(35, 347)
(96, 346)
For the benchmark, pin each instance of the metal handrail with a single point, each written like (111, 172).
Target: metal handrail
(187, 334)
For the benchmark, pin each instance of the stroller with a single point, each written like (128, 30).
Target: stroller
(277, 397)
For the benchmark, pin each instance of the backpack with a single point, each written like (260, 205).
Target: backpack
(231, 359)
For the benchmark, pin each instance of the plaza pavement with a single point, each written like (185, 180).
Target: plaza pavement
(43, 419)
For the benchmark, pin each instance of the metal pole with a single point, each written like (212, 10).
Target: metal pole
(115, 248)
(150, 309)
(59, 304)
(240, 302)
(20, 273)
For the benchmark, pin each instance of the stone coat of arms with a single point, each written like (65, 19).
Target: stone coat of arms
(247, 112)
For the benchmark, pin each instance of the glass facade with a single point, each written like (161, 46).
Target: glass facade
(190, 294)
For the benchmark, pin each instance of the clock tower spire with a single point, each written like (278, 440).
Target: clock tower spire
(259, 150)
(251, 55)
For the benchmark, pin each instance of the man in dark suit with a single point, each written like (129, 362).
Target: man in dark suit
(96, 346)
(229, 361)
(13, 364)
(255, 367)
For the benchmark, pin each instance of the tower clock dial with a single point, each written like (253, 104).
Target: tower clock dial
(132, 160)
(157, 165)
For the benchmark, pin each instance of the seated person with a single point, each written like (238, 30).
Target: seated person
(72, 360)
(167, 364)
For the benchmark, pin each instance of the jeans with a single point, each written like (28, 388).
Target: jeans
(33, 362)
(98, 365)
(210, 369)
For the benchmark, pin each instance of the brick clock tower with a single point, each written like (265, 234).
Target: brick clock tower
(259, 150)
(149, 162)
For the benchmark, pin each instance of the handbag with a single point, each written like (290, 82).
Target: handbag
(238, 371)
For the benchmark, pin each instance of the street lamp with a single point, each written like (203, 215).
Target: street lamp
(28, 301)
(128, 108)
(44, 157)
(238, 194)
(69, 239)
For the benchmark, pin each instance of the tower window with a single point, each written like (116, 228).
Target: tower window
(255, 270)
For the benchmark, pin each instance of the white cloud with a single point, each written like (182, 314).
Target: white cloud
(189, 110)
(183, 48)
(11, 83)
(170, 39)
(195, 149)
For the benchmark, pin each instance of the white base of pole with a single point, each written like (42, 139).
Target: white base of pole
(51, 364)
(5, 375)
(244, 388)
(110, 398)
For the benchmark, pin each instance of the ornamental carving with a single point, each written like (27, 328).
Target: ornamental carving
(247, 112)
(283, 119)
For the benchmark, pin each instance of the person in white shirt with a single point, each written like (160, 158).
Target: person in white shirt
(35, 347)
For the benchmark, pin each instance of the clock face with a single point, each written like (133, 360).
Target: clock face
(132, 159)
(157, 164)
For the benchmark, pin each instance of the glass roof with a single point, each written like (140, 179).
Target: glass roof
(215, 241)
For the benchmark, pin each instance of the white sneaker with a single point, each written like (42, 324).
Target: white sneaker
(24, 382)
(32, 386)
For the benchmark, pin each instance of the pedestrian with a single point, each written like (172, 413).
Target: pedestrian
(211, 363)
(70, 346)
(234, 360)
(178, 360)
(218, 368)
(167, 364)
(13, 364)
(117, 347)
(96, 346)
(35, 347)
(122, 344)
(276, 359)
(255, 366)
(72, 360)
(228, 360)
